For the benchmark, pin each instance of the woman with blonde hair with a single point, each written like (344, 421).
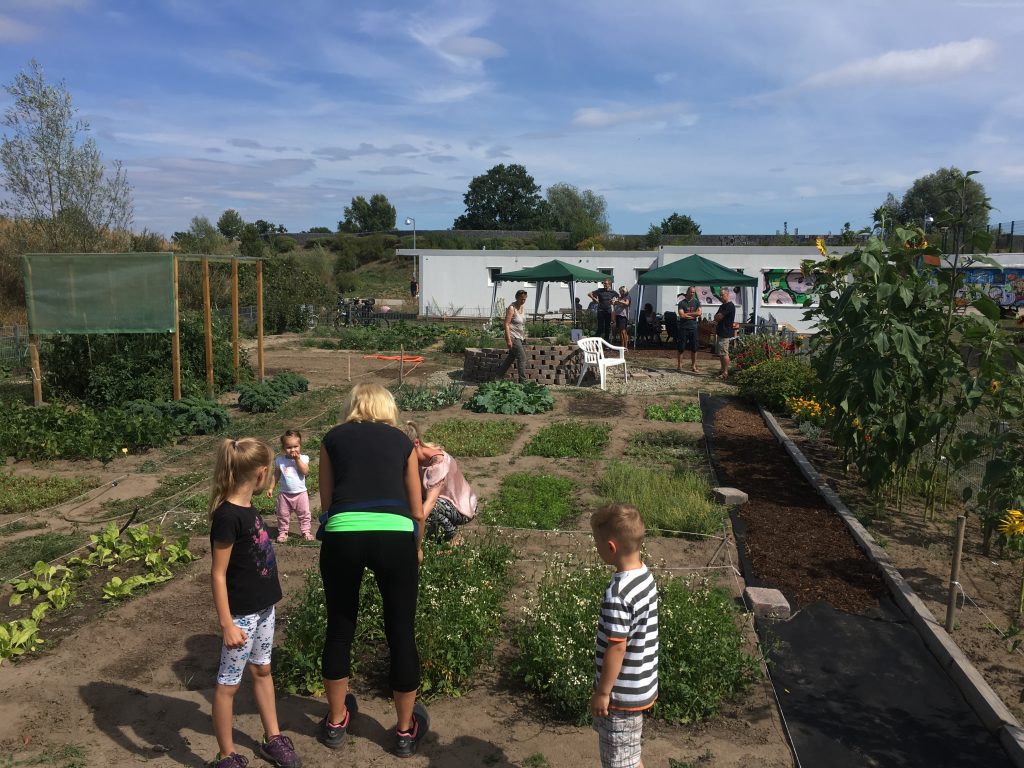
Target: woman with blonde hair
(373, 518)
(448, 500)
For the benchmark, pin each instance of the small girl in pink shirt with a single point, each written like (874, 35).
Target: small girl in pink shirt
(448, 499)
(290, 469)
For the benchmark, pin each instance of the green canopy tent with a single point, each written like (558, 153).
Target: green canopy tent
(553, 271)
(695, 270)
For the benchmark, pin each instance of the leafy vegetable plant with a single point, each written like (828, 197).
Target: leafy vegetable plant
(511, 397)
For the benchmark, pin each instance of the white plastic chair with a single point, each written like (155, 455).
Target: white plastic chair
(593, 357)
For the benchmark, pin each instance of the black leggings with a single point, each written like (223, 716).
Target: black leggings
(391, 556)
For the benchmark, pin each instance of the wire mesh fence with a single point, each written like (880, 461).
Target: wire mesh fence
(1009, 236)
(13, 346)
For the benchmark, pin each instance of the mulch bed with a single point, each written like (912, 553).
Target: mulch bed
(793, 541)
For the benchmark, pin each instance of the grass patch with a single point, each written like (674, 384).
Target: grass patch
(702, 661)
(665, 447)
(458, 618)
(156, 502)
(529, 500)
(674, 412)
(20, 555)
(19, 495)
(462, 437)
(20, 525)
(670, 500)
(569, 439)
(64, 756)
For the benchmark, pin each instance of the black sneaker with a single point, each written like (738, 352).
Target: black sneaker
(407, 742)
(333, 736)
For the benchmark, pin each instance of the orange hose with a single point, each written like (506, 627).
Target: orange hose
(397, 358)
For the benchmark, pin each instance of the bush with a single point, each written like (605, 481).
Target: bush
(747, 351)
(569, 439)
(539, 330)
(458, 616)
(769, 383)
(190, 415)
(528, 500)
(400, 335)
(289, 284)
(702, 661)
(510, 397)
(107, 370)
(271, 394)
(456, 340)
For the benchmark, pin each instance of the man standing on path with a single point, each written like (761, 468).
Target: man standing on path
(604, 297)
(725, 317)
(689, 313)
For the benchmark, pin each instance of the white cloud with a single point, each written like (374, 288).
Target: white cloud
(595, 117)
(449, 93)
(14, 31)
(661, 78)
(393, 170)
(920, 65)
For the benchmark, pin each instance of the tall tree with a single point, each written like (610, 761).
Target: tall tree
(581, 214)
(53, 171)
(506, 197)
(202, 237)
(374, 215)
(944, 195)
(679, 224)
(230, 224)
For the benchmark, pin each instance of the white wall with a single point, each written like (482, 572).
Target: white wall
(457, 281)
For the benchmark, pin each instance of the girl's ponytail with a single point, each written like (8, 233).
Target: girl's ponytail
(412, 431)
(237, 461)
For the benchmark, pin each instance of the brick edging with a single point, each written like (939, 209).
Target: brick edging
(995, 715)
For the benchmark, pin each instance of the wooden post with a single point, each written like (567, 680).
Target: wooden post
(349, 358)
(259, 318)
(208, 327)
(176, 341)
(954, 575)
(37, 371)
(234, 314)
(401, 364)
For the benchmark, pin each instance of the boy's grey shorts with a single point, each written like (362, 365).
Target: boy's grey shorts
(619, 736)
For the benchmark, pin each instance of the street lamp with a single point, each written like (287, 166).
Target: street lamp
(409, 220)
(927, 220)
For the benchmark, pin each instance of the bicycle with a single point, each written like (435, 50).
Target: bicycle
(359, 312)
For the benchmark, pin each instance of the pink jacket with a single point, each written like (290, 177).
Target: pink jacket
(444, 471)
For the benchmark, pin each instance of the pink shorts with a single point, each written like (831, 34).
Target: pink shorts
(293, 502)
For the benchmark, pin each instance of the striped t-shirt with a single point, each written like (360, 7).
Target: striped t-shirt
(629, 614)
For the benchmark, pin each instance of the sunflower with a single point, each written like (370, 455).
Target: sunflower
(820, 243)
(994, 386)
(1013, 524)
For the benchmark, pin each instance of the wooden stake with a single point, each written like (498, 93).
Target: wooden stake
(954, 575)
(208, 327)
(259, 319)
(37, 371)
(234, 314)
(349, 358)
(176, 341)
(401, 364)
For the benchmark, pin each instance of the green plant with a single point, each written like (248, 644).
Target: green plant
(702, 661)
(121, 589)
(462, 437)
(674, 412)
(21, 494)
(536, 760)
(457, 340)
(22, 554)
(569, 438)
(19, 637)
(42, 584)
(423, 398)
(748, 351)
(771, 382)
(271, 394)
(510, 397)
(401, 335)
(668, 447)
(458, 617)
(677, 500)
(528, 500)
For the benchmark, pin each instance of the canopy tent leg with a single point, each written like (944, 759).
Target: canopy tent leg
(494, 302)
(757, 298)
(572, 303)
(636, 317)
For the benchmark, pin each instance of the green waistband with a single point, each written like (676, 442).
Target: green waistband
(368, 521)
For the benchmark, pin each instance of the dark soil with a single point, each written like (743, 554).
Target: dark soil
(792, 539)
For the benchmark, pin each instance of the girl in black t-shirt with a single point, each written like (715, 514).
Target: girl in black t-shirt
(245, 589)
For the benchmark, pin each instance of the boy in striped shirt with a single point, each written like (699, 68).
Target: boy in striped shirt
(626, 677)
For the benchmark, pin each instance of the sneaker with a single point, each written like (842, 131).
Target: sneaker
(280, 752)
(234, 760)
(408, 741)
(333, 736)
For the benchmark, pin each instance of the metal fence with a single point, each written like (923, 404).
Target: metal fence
(13, 346)
(1009, 236)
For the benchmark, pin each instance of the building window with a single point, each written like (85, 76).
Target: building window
(640, 273)
(607, 270)
(493, 273)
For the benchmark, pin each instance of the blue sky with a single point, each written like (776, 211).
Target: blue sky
(741, 114)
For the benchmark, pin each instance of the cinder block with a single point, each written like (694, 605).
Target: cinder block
(767, 603)
(731, 497)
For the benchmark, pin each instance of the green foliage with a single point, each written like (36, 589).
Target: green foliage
(108, 370)
(557, 331)
(462, 437)
(272, 393)
(189, 416)
(19, 637)
(201, 237)
(666, 447)
(506, 197)
(423, 398)
(581, 214)
(674, 412)
(569, 439)
(290, 282)
(21, 554)
(412, 337)
(677, 500)
(376, 215)
(771, 382)
(230, 224)
(456, 340)
(121, 589)
(20, 494)
(458, 617)
(679, 224)
(43, 583)
(510, 397)
(939, 195)
(702, 661)
(747, 351)
(530, 500)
